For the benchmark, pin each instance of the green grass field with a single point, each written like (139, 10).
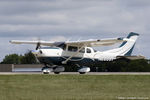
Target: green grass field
(73, 87)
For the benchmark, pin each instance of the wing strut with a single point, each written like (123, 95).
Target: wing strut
(65, 62)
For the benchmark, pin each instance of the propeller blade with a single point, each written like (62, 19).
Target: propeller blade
(38, 46)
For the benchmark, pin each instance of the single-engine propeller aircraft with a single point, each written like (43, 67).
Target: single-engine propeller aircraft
(55, 55)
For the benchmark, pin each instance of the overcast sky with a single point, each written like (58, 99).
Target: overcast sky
(72, 20)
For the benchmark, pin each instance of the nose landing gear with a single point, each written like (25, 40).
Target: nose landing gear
(46, 70)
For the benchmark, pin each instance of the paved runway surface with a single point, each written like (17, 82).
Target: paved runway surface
(76, 73)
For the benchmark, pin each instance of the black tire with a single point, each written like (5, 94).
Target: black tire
(57, 72)
(45, 72)
(82, 72)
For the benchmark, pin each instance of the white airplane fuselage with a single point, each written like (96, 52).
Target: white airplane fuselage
(58, 55)
(83, 56)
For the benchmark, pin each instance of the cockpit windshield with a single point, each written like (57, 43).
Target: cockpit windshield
(63, 46)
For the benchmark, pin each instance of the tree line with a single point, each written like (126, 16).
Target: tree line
(27, 58)
(121, 65)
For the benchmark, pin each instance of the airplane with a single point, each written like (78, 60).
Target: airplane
(55, 55)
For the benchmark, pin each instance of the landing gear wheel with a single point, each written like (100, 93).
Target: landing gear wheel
(82, 72)
(57, 72)
(45, 72)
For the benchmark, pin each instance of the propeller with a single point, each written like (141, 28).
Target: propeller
(38, 46)
(28, 50)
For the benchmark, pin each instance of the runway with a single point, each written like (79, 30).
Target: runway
(76, 73)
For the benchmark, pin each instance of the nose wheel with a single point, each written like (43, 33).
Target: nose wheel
(46, 70)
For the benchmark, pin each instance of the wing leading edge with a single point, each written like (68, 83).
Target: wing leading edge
(45, 43)
(96, 42)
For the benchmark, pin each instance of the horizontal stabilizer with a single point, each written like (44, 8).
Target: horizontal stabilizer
(131, 57)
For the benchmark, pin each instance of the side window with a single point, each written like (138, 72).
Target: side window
(88, 50)
(72, 48)
(82, 50)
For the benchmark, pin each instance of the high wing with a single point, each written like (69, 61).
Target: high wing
(96, 42)
(45, 43)
(89, 43)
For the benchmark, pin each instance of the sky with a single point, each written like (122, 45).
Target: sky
(61, 20)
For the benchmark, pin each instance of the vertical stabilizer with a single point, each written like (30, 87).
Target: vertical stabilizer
(126, 47)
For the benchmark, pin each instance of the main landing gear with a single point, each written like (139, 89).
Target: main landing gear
(84, 69)
(55, 69)
(58, 69)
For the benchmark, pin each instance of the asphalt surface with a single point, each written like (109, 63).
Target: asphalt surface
(76, 73)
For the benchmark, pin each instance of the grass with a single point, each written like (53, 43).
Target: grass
(73, 87)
